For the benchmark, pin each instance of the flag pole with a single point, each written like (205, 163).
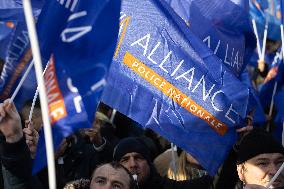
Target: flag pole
(174, 160)
(35, 97)
(271, 105)
(257, 38)
(42, 93)
(264, 42)
(22, 80)
(275, 176)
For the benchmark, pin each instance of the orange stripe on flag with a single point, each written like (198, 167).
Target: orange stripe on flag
(174, 93)
(56, 105)
(124, 23)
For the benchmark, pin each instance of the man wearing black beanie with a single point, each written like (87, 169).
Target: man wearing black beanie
(259, 158)
(134, 155)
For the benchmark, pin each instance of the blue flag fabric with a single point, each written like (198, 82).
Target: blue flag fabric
(78, 68)
(223, 25)
(264, 11)
(15, 50)
(7, 28)
(282, 11)
(254, 104)
(279, 117)
(18, 55)
(166, 79)
(275, 74)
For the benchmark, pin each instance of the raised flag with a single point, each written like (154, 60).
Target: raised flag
(267, 12)
(167, 79)
(18, 55)
(15, 51)
(78, 68)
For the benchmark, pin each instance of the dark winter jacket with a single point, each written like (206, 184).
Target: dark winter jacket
(17, 166)
(155, 181)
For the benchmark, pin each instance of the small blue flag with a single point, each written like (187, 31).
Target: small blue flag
(264, 11)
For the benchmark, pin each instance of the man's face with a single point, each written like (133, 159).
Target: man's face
(261, 168)
(106, 177)
(136, 164)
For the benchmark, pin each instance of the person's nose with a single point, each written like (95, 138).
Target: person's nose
(132, 163)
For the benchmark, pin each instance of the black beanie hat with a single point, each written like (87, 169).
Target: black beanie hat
(257, 142)
(129, 145)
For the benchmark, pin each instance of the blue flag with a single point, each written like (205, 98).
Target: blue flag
(15, 50)
(264, 11)
(167, 79)
(78, 68)
(7, 28)
(254, 104)
(18, 55)
(275, 74)
(223, 25)
(279, 116)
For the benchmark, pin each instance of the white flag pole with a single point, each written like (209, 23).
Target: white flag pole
(257, 39)
(282, 40)
(275, 176)
(113, 113)
(42, 94)
(173, 162)
(22, 81)
(264, 42)
(35, 97)
(275, 84)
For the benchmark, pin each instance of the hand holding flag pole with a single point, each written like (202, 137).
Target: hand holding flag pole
(260, 51)
(20, 84)
(42, 92)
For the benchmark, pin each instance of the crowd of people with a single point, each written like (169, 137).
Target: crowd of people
(101, 157)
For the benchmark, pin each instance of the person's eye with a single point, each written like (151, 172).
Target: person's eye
(100, 181)
(140, 158)
(116, 186)
(262, 163)
(123, 160)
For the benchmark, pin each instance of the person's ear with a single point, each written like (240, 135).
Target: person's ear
(241, 170)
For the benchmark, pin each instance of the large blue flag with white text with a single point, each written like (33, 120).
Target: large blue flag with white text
(78, 68)
(165, 78)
